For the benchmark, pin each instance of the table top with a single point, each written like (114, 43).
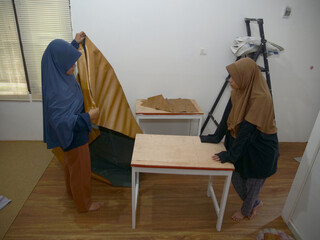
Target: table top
(151, 111)
(178, 152)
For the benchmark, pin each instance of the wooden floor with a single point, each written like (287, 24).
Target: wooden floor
(169, 207)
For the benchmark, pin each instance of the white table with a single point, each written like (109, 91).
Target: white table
(170, 154)
(151, 113)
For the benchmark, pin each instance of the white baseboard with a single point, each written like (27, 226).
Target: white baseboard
(294, 230)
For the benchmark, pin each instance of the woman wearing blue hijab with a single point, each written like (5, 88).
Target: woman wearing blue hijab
(65, 124)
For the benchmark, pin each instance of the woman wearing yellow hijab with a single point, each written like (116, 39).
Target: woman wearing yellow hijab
(250, 135)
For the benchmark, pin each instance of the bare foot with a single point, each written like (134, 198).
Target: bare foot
(255, 210)
(95, 206)
(237, 216)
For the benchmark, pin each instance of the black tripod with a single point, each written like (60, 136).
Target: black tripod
(261, 50)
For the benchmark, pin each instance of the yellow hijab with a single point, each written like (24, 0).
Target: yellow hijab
(252, 101)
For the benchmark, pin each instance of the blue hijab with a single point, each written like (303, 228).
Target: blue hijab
(61, 94)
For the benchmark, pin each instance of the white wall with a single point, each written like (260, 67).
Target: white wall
(154, 47)
(21, 121)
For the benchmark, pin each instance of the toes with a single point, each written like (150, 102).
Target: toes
(95, 206)
(236, 219)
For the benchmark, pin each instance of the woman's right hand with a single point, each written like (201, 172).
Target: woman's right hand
(94, 113)
(216, 158)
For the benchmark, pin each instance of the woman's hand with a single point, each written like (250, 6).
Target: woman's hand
(216, 158)
(80, 36)
(94, 113)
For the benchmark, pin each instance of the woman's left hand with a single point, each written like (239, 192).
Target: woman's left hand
(94, 113)
(79, 37)
(216, 158)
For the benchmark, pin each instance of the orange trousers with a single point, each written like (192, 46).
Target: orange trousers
(77, 171)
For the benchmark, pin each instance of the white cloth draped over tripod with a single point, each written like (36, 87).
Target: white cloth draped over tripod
(245, 45)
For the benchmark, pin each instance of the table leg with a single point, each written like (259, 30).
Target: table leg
(190, 121)
(223, 200)
(210, 193)
(209, 185)
(135, 191)
(199, 127)
(138, 121)
(137, 187)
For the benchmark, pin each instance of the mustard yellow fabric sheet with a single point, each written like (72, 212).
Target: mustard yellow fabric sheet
(101, 88)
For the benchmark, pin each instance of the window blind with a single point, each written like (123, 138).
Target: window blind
(40, 22)
(13, 83)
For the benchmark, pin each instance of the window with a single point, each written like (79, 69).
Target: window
(26, 28)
